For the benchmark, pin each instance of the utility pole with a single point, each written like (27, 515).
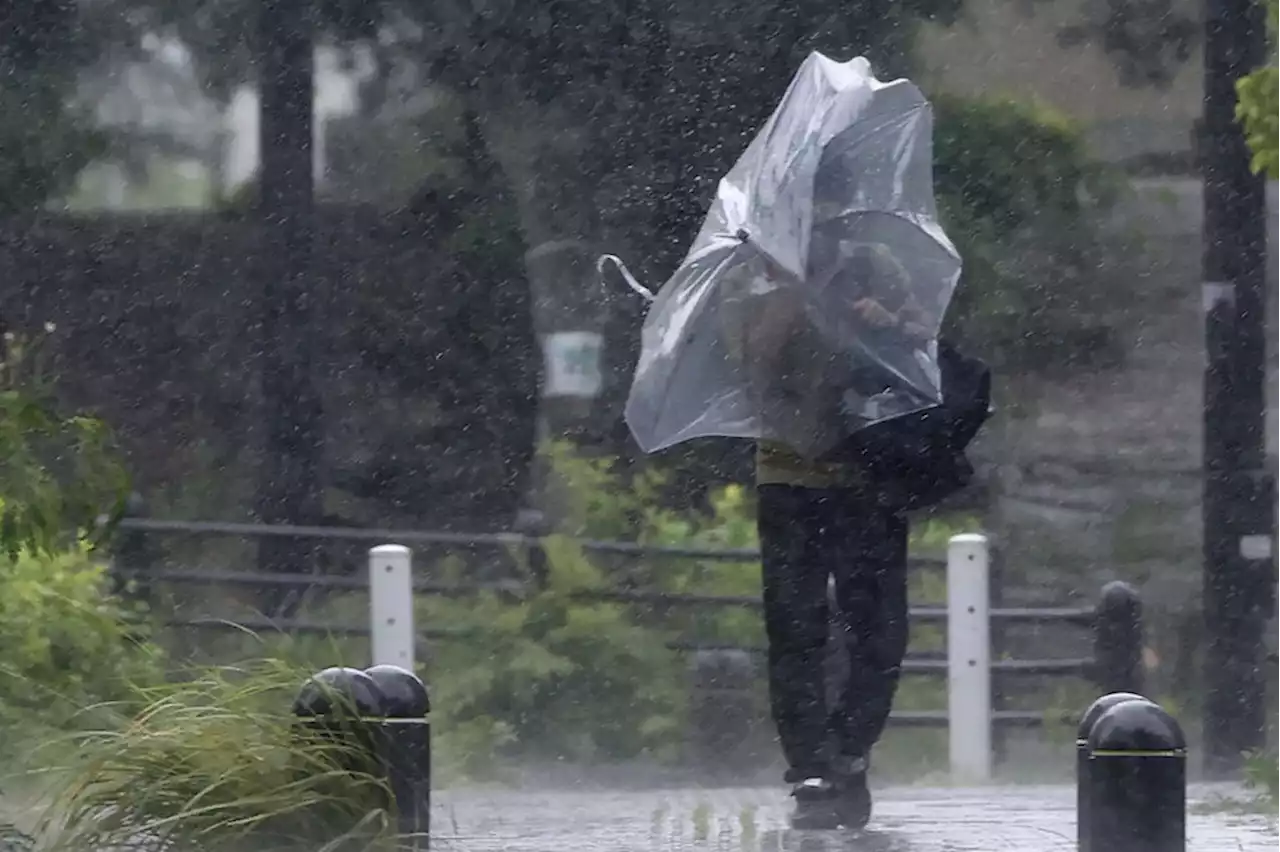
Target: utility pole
(1239, 492)
(288, 485)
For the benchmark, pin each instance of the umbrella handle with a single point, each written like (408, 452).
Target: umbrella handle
(626, 275)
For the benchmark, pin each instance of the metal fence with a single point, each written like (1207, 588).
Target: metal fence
(973, 663)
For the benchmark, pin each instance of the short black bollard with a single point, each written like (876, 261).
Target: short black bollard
(1117, 639)
(1087, 721)
(405, 750)
(1137, 777)
(133, 555)
(338, 691)
(340, 707)
(336, 705)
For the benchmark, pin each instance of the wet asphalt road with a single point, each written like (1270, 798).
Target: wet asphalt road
(1028, 819)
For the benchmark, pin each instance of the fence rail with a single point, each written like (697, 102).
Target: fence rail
(912, 665)
(972, 717)
(479, 541)
(1082, 616)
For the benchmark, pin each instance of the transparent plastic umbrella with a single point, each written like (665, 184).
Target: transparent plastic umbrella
(809, 305)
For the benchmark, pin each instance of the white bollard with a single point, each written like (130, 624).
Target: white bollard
(969, 657)
(391, 605)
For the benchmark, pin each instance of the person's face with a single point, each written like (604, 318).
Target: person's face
(862, 272)
(853, 281)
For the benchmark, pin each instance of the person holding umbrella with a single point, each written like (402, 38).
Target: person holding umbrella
(806, 317)
(822, 523)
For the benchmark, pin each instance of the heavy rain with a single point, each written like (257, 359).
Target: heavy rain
(635, 425)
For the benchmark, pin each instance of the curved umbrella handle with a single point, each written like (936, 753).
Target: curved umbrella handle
(626, 275)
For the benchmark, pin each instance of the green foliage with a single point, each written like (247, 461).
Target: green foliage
(556, 676)
(1003, 161)
(215, 762)
(543, 674)
(164, 186)
(66, 640)
(58, 474)
(44, 144)
(1025, 203)
(599, 504)
(577, 55)
(45, 139)
(550, 676)
(1262, 775)
(238, 202)
(1257, 108)
(65, 636)
(1257, 111)
(1148, 42)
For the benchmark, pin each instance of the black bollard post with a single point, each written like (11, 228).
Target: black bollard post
(1117, 639)
(340, 707)
(1138, 781)
(532, 526)
(133, 555)
(335, 694)
(1087, 721)
(405, 751)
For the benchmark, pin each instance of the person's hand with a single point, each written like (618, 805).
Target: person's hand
(915, 331)
(874, 313)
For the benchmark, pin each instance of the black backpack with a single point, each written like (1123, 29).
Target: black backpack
(918, 460)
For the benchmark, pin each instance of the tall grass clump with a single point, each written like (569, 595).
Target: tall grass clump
(215, 763)
(1263, 778)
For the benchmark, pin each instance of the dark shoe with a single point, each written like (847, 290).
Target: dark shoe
(817, 805)
(853, 797)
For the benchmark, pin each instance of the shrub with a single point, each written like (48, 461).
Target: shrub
(599, 504)
(58, 472)
(1258, 93)
(550, 677)
(1263, 777)
(1027, 206)
(68, 643)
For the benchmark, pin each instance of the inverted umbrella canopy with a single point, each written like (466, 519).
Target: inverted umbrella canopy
(809, 305)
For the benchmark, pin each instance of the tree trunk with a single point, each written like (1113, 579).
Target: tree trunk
(289, 488)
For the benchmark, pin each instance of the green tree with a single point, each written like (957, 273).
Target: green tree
(1147, 41)
(1257, 108)
(1025, 202)
(671, 92)
(476, 367)
(59, 473)
(677, 84)
(45, 138)
(666, 94)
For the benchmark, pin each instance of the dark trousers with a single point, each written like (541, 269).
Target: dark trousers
(807, 537)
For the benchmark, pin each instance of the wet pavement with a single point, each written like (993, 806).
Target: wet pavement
(1028, 819)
